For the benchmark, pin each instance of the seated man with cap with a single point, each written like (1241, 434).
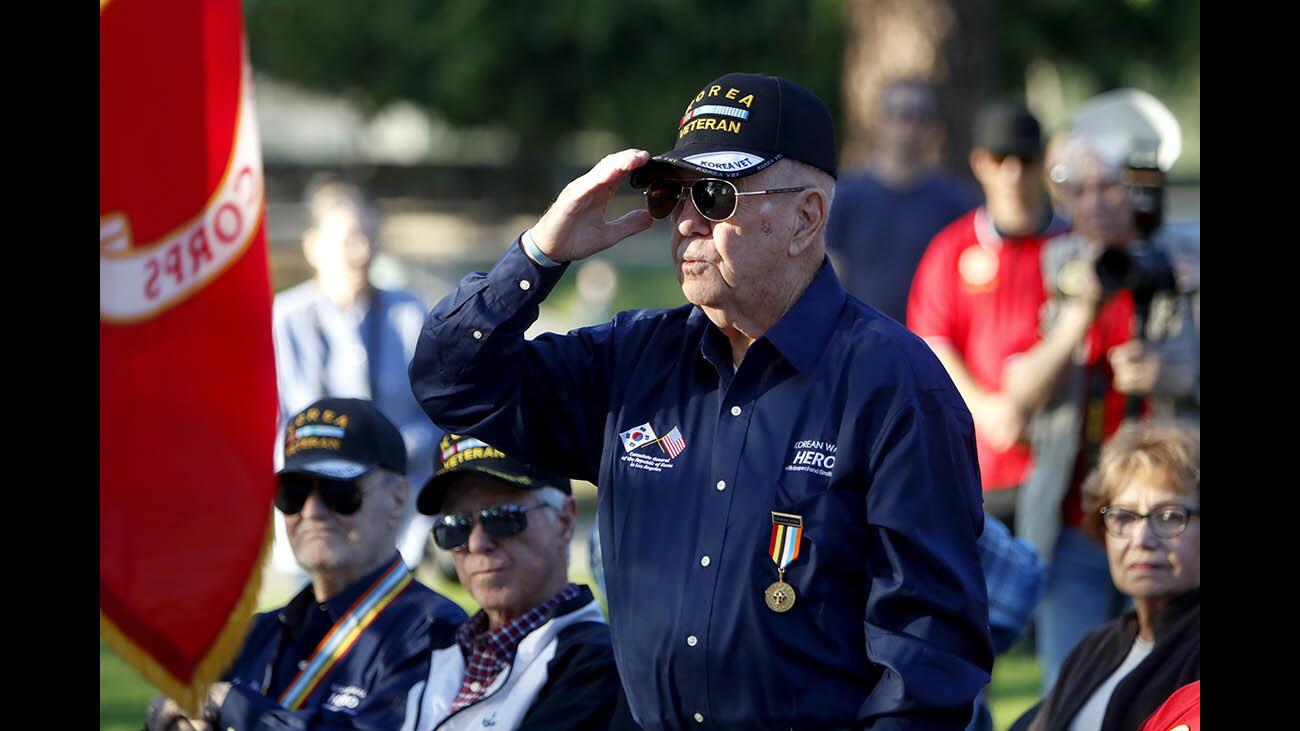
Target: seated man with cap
(538, 654)
(343, 652)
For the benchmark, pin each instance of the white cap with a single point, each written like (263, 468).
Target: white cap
(1126, 123)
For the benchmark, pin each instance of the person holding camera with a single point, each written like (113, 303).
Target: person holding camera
(1115, 343)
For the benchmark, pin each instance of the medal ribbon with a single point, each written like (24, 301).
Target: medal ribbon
(787, 530)
(341, 638)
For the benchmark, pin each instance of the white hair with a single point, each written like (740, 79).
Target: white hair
(552, 496)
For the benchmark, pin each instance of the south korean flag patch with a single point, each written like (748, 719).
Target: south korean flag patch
(638, 436)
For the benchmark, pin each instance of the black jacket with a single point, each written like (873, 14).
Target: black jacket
(1174, 662)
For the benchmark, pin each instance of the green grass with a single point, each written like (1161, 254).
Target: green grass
(1014, 687)
(123, 694)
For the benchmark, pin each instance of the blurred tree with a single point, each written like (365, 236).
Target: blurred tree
(944, 42)
(546, 70)
(1109, 40)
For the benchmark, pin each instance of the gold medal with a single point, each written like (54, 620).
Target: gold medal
(779, 596)
(787, 533)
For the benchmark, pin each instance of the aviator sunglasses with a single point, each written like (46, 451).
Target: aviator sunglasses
(714, 198)
(341, 496)
(451, 532)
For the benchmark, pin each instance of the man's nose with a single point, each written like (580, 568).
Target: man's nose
(314, 507)
(479, 540)
(690, 222)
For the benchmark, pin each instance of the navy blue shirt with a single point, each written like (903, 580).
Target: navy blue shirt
(838, 415)
(881, 233)
(367, 689)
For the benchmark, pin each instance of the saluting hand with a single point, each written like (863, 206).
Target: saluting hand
(574, 227)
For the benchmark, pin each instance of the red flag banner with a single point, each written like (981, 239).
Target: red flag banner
(187, 410)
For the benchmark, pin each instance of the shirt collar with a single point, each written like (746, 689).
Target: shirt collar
(988, 236)
(803, 331)
(336, 606)
(474, 634)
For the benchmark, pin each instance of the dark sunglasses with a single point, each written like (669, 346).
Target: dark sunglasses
(451, 532)
(341, 496)
(715, 199)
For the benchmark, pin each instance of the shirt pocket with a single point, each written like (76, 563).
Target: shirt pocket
(806, 471)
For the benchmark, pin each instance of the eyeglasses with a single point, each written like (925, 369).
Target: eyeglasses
(451, 532)
(341, 496)
(715, 199)
(1166, 522)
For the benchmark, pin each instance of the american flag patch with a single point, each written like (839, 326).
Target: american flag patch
(673, 443)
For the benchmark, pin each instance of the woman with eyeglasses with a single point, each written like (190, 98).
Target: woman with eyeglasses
(1143, 503)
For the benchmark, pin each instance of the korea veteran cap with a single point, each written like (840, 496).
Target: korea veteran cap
(740, 124)
(460, 454)
(342, 438)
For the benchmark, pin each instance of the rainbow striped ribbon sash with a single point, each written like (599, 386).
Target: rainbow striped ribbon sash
(343, 635)
(787, 530)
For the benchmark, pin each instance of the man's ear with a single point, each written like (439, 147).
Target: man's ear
(401, 490)
(309, 246)
(809, 220)
(568, 518)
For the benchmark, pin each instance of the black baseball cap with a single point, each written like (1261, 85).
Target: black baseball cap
(1008, 128)
(342, 438)
(459, 454)
(739, 124)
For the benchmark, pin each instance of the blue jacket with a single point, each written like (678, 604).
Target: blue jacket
(367, 689)
(837, 415)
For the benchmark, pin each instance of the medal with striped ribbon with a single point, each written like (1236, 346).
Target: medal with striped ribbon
(787, 532)
(343, 635)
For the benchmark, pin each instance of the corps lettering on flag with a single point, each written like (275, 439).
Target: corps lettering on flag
(187, 410)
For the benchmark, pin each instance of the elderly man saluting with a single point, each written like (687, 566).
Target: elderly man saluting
(343, 652)
(537, 655)
(789, 494)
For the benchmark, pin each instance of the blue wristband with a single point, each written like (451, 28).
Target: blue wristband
(535, 253)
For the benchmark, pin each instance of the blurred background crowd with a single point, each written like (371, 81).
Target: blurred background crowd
(986, 146)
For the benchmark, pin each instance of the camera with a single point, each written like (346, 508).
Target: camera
(1143, 270)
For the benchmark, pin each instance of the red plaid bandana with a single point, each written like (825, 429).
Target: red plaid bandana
(488, 652)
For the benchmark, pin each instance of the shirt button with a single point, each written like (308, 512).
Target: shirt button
(704, 561)
(478, 334)
(524, 284)
(692, 640)
(699, 718)
(722, 485)
(475, 686)
(735, 411)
